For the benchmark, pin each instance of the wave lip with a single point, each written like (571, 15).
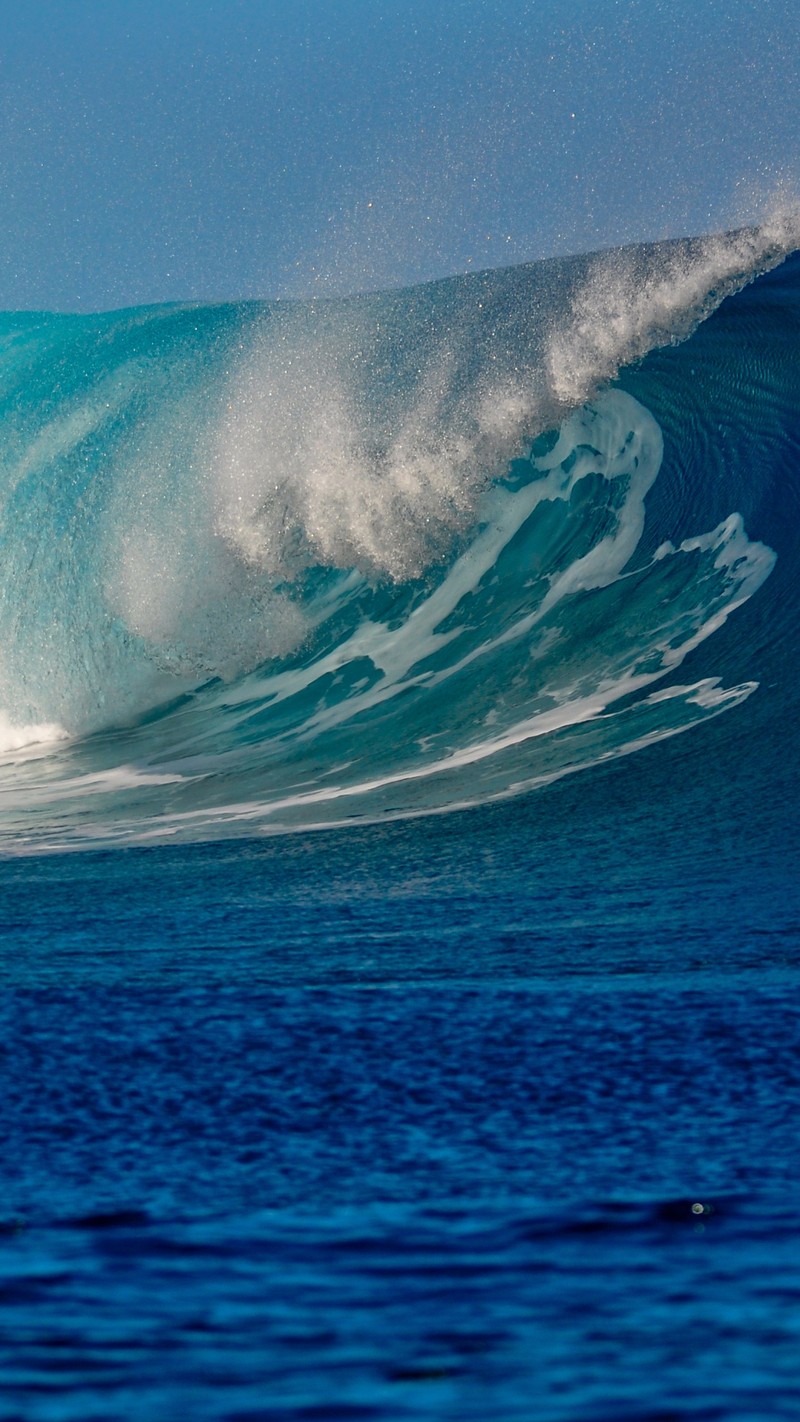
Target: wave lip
(629, 305)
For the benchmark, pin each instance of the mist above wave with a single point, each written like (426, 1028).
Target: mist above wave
(363, 434)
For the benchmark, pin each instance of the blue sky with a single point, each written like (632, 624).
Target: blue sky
(195, 150)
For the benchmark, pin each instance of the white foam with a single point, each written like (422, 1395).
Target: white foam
(617, 438)
(15, 737)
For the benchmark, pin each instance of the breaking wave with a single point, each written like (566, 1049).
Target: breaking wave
(275, 566)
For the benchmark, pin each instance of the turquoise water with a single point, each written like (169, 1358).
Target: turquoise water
(410, 1029)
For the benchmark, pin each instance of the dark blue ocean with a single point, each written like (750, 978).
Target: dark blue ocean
(399, 890)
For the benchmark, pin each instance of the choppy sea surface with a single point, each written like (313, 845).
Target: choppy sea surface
(399, 881)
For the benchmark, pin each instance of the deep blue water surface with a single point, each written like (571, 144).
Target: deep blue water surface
(384, 1124)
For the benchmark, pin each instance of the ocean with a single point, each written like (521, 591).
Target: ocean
(398, 819)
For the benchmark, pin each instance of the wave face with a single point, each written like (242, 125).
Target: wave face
(269, 567)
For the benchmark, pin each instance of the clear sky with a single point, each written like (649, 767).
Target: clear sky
(159, 150)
